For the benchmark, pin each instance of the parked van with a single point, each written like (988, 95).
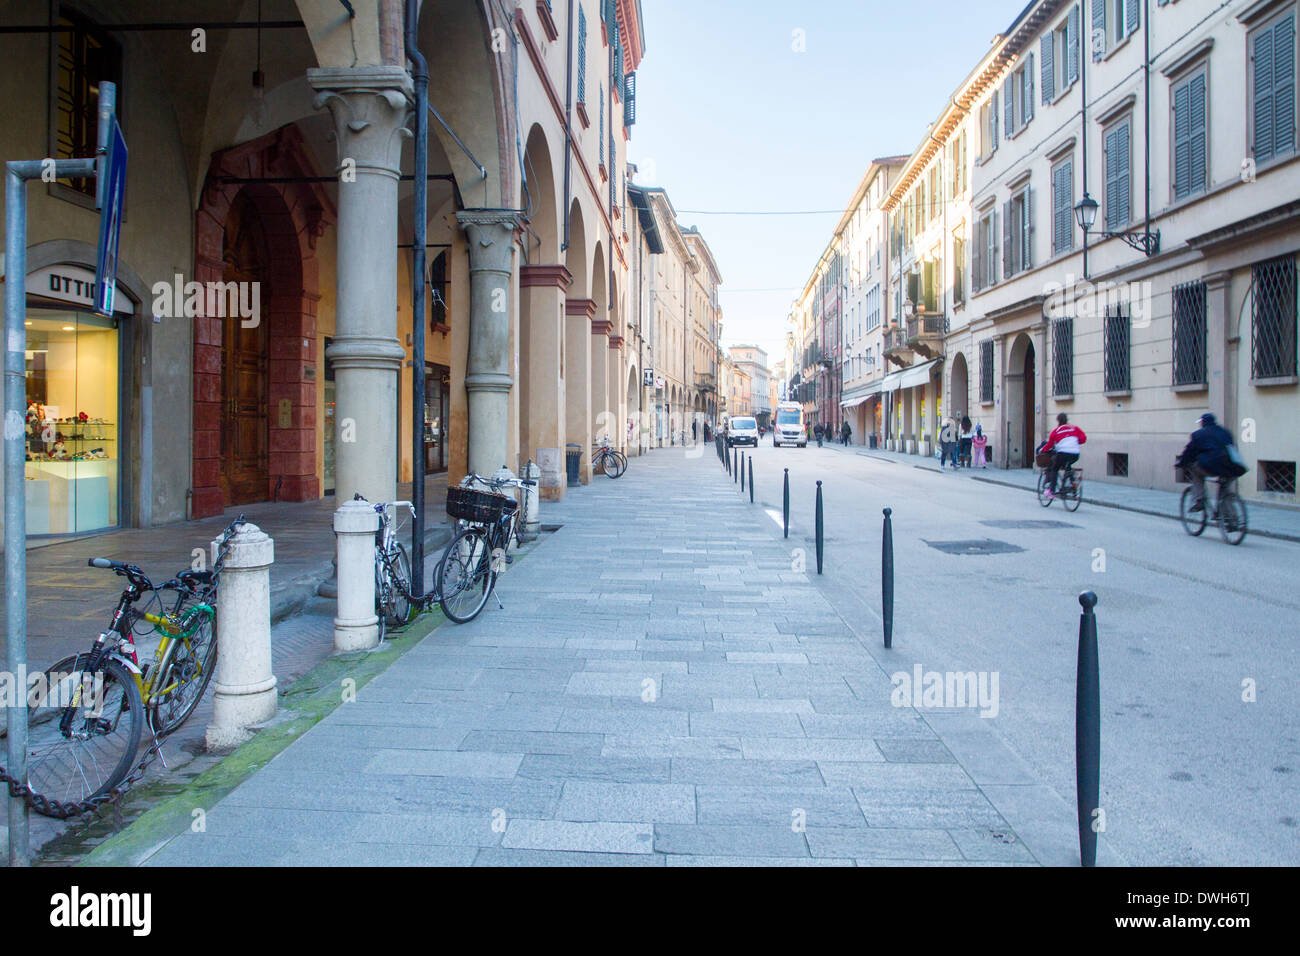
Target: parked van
(789, 429)
(742, 431)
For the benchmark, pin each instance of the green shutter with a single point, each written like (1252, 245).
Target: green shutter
(1131, 16)
(1098, 42)
(1072, 44)
(1182, 140)
(1284, 86)
(1263, 55)
(1046, 51)
(582, 56)
(1199, 135)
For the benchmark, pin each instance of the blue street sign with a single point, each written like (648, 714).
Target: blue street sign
(112, 190)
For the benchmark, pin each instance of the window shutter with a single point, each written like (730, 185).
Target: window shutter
(582, 56)
(1028, 108)
(1182, 140)
(993, 247)
(1124, 172)
(1027, 230)
(1006, 240)
(1098, 29)
(1072, 44)
(600, 105)
(1112, 178)
(1284, 86)
(1045, 45)
(1131, 9)
(1263, 53)
(1009, 106)
(1197, 135)
(993, 120)
(977, 260)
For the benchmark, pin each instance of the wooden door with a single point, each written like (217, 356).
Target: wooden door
(245, 405)
(1030, 413)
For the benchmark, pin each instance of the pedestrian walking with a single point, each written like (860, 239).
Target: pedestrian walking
(947, 443)
(978, 442)
(695, 431)
(818, 433)
(708, 436)
(967, 440)
(845, 432)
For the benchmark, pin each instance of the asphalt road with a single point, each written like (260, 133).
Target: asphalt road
(1193, 772)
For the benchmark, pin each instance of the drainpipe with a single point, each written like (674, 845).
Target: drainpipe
(420, 76)
(1084, 56)
(1146, 109)
(568, 129)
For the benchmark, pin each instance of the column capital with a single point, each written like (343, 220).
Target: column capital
(491, 237)
(369, 105)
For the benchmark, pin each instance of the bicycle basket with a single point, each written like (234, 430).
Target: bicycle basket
(478, 506)
(1043, 459)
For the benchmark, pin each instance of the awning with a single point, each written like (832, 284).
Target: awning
(916, 375)
(853, 402)
(866, 392)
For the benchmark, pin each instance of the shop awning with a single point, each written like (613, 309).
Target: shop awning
(916, 375)
(861, 395)
(853, 402)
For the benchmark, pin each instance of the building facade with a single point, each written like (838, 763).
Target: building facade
(753, 361)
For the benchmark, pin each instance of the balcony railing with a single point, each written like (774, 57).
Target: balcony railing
(896, 348)
(925, 334)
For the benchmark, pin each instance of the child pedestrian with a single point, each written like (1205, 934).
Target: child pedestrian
(978, 441)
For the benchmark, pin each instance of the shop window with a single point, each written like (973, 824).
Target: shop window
(85, 57)
(72, 422)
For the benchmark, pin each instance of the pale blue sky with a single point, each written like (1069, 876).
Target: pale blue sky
(730, 117)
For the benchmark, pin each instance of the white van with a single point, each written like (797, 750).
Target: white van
(788, 429)
(742, 431)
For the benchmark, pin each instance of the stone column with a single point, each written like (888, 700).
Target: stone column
(577, 378)
(356, 625)
(244, 685)
(1221, 340)
(602, 419)
(489, 371)
(541, 344)
(369, 106)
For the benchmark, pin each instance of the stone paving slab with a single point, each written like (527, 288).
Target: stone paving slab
(725, 720)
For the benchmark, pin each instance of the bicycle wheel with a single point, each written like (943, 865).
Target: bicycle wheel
(466, 575)
(397, 605)
(184, 675)
(104, 722)
(615, 464)
(1232, 518)
(1193, 521)
(1073, 496)
(381, 595)
(1042, 490)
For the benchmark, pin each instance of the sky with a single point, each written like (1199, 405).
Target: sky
(731, 116)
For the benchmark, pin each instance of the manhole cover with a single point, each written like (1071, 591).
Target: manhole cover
(981, 546)
(1027, 524)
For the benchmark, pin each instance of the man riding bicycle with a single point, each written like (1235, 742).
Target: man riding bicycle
(1207, 455)
(1064, 443)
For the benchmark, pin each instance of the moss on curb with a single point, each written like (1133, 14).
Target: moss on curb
(304, 704)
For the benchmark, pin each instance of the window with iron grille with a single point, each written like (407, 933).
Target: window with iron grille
(1273, 319)
(1063, 357)
(1117, 464)
(1277, 476)
(986, 370)
(1118, 364)
(87, 56)
(1189, 333)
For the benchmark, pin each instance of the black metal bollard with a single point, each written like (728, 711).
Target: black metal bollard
(751, 479)
(785, 504)
(742, 472)
(1087, 730)
(820, 535)
(887, 577)
(735, 465)
(726, 460)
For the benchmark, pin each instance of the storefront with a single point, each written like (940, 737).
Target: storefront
(77, 405)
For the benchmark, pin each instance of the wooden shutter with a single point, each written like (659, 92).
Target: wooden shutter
(1284, 86)
(1009, 105)
(1198, 134)
(993, 119)
(1027, 230)
(1263, 78)
(1072, 44)
(977, 258)
(992, 258)
(1098, 36)
(582, 56)
(1182, 140)
(1131, 10)
(1006, 240)
(1028, 107)
(1045, 49)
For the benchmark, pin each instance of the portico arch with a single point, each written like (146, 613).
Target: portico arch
(1019, 402)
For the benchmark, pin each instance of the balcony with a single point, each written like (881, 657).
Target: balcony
(896, 347)
(705, 381)
(925, 335)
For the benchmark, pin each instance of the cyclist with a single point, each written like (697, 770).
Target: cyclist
(1065, 442)
(1206, 454)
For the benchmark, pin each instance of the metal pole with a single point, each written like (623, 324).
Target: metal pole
(751, 479)
(887, 577)
(735, 465)
(742, 472)
(15, 400)
(820, 539)
(420, 75)
(785, 505)
(1087, 730)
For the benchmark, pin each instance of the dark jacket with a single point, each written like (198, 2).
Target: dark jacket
(1209, 449)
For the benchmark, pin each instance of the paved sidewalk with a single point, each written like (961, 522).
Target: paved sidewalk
(660, 689)
(1272, 521)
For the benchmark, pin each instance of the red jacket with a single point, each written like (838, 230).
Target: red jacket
(1066, 438)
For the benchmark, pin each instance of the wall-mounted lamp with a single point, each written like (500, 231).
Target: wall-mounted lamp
(1085, 213)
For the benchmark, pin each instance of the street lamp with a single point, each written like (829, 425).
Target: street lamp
(1085, 213)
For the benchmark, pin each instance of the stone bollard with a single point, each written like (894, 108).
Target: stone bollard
(356, 628)
(243, 686)
(533, 527)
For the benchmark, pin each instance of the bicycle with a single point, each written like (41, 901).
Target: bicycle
(88, 711)
(612, 461)
(395, 600)
(1069, 488)
(486, 522)
(1227, 510)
